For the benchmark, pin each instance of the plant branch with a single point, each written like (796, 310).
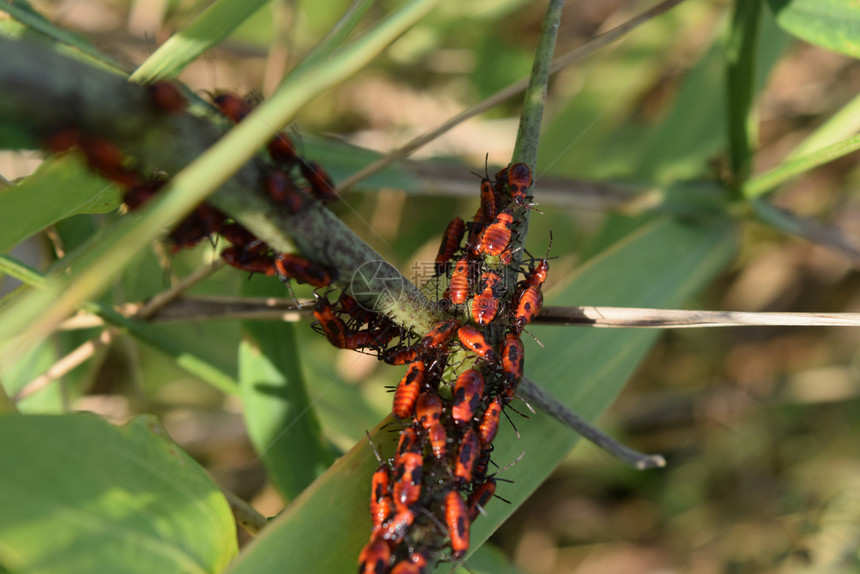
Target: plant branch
(246, 515)
(626, 317)
(550, 405)
(107, 105)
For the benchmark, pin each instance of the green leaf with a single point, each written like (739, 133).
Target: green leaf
(61, 187)
(281, 420)
(585, 368)
(831, 24)
(215, 24)
(80, 495)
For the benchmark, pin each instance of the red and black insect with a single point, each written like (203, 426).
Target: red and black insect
(408, 389)
(280, 187)
(457, 521)
(439, 334)
(406, 567)
(232, 106)
(381, 503)
(374, 558)
(321, 183)
(513, 357)
(333, 327)
(489, 210)
(480, 497)
(468, 391)
(474, 341)
(459, 286)
(236, 234)
(489, 424)
(485, 305)
(105, 158)
(519, 178)
(200, 225)
(497, 236)
(395, 356)
(528, 306)
(255, 259)
(394, 529)
(167, 97)
(407, 488)
(140, 193)
(428, 409)
(438, 437)
(291, 266)
(282, 150)
(408, 443)
(470, 448)
(450, 243)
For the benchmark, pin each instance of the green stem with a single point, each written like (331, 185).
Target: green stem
(741, 51)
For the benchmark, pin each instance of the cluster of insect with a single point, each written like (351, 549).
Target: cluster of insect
(458, 382)
(461, 375)
(291, 181)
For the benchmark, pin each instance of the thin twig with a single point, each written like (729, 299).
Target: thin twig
(626, 317)
(85, 351)
(246, 515)
(160, 300)
(66, 364)
(550, 405)
(514, 89)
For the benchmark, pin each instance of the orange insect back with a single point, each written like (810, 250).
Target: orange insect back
(474, 341)
(380, 499)
(457, 521)
(458, 287)
(439, 335)
(513, 357)
(394, 529)
(408, 389)
(333, 327)
(395, 356)
(485, 306)
(497, 236)
(406, 567)
(374, 558)
(468, 391)
(438, 437)
(428, 409)
(528, 306)
(450, 243)
(466, 456)
(489, 424)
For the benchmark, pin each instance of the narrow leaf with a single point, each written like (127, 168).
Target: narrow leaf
(281, 420)
(212, 26)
